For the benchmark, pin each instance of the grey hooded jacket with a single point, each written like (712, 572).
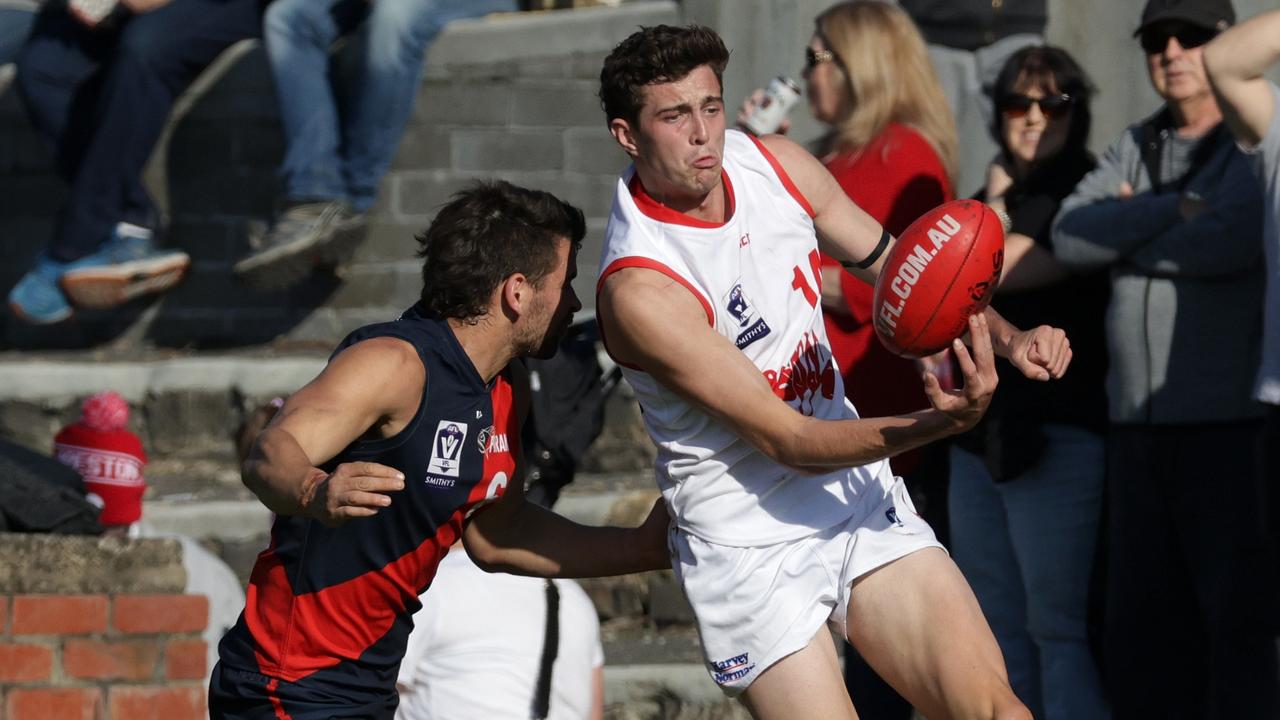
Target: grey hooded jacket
(1186, 295)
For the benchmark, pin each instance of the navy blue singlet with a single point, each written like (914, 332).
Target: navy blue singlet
(329, 610)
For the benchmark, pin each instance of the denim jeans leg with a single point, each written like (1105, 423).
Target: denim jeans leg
(298, 36)
(381, 94)
(110, 122)
(15, 24)
(1053, 514)
(982, 548)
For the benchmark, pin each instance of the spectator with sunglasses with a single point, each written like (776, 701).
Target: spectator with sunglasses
(969, 41)
(1027, 481)
(1236, 60)
(1175, 214)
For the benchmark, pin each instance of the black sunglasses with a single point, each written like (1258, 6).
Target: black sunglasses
(1051, 106)
(1155, 39)
(814, 58)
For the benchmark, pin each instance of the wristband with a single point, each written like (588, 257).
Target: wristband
(871, 259)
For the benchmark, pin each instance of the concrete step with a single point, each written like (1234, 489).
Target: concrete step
(189, 407)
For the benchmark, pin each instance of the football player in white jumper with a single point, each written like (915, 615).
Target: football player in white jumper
(786, 516)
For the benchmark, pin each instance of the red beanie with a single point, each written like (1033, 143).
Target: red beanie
(107, 456)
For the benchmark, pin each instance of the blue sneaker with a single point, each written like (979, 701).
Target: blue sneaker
(36, 298)
(127, 265)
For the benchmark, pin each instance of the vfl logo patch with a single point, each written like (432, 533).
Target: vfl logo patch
(446, 450)
(751, 327)
(726, 671)
(892, 515)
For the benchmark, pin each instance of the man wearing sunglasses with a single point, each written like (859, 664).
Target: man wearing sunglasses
(1174, 214)
(1250, 108)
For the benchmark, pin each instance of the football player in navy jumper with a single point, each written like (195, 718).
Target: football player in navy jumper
(405, 442)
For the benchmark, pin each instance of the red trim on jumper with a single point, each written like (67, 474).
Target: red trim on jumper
(297, 634)
(657, 211)
(276, 705)
(623, 263)
(782, 175)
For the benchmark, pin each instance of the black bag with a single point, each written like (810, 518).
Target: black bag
(568, 393)
(40, 494)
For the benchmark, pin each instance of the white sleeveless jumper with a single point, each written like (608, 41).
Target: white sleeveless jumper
(756, 277)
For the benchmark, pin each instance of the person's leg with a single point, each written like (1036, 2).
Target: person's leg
(1053, 512)
(982, 549)
(1153, 641)
(1220, 528)
(157, 56)
(1269, 462)
(15, 25)
(805, 684)
(58, 80)
(919, 625)
(298, 35)
(380, 98)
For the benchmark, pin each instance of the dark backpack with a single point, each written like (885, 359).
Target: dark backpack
(40, 494)
(568, 393)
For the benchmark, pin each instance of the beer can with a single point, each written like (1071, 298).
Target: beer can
(779, 98)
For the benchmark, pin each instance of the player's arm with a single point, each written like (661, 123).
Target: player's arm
(516, 536)
(513, 535)
(371, 388)
(1235, 62)
(654, 323)
(853, 237)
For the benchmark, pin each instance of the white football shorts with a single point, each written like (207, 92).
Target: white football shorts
(756, 605)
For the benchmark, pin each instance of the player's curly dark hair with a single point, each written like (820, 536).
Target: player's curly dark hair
(485, 234)
(657, 54)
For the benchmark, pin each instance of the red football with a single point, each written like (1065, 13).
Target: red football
(943, 269)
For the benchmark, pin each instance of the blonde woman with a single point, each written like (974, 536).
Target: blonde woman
(891, 144)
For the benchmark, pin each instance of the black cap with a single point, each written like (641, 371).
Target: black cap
(1217, 15)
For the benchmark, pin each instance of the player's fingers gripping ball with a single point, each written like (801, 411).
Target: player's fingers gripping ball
(943, 269)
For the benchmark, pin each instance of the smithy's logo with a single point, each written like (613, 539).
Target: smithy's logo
(751, 327)
(446, 451)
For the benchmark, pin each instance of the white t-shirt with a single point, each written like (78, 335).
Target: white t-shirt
(756, 276)
(1265, 159)
(476, 647)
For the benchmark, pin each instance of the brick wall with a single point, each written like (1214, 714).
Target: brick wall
(102, 657)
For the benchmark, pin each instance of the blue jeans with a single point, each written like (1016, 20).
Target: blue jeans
(15, 23)
(102, 98)
(342, 129)
(1027, 548)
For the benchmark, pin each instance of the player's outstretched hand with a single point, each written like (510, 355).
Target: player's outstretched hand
(966, 406)
(1042, 353)
(352, 490)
